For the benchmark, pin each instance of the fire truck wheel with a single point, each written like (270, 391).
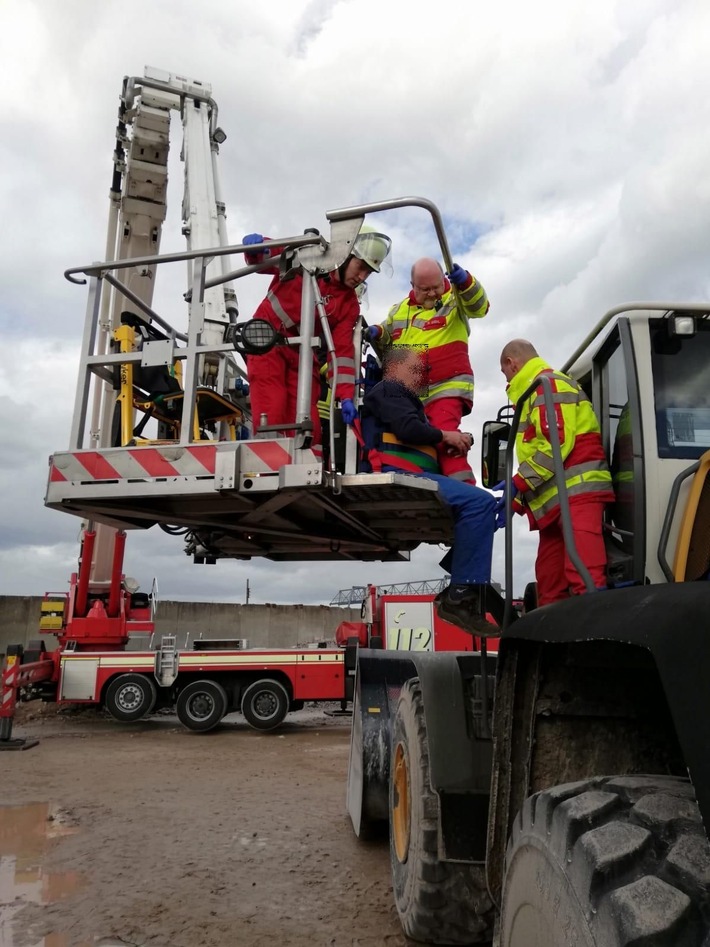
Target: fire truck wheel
(201, 705)
(438, 902)
(130, 696)
(265, 703)
(610, 860)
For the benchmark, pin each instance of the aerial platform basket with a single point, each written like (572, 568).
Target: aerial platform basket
(247, 499)
(267, 496)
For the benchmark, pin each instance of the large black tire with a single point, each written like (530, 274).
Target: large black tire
(265, 703)
(130, 696)
(610, 861)
(201, 705)
(438, 902)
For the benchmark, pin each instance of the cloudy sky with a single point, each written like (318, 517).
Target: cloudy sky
(566, 144)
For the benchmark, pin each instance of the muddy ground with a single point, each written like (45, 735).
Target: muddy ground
(146, 834)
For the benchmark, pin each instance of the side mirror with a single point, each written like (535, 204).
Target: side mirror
(494, 451)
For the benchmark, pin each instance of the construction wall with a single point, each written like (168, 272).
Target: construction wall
(263, 626)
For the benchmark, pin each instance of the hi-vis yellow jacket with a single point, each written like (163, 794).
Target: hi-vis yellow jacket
(587, 474)
(443, 333)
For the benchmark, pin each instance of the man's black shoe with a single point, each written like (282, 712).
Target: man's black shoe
(464, 607)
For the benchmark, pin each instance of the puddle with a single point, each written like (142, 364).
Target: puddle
(27, 834)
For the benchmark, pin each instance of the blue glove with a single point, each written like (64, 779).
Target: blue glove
(372, 333)
(458, 275)
(348, 410)
(253, 238)
(501, 521)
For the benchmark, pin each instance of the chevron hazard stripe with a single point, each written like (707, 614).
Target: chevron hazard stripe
(262, 456)
(134, 463)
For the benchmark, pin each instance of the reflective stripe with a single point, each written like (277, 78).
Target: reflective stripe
(586, 473)
(593, 471)
(589, 466)
(542, 460)
(279, 311)
(406, 323)
(420, 323)
(474, 296)
(561, 397)
(577, 489)
(457, 385)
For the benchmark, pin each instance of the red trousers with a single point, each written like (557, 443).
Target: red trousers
(273, 387)
(557, 578)
(446, 414)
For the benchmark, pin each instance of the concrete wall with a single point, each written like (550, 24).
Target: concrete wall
(263, 626)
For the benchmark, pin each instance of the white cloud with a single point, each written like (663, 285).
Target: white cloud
(567, 146)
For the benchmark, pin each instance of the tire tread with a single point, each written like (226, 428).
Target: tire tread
(448, 902)
(635, 852)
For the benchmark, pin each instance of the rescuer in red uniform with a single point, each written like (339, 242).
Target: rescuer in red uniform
(273, 377)
(535, 487)
(435, 318)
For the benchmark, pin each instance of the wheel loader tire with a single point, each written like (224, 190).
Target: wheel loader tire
(130, 697)
(438, 902)
(610, 861)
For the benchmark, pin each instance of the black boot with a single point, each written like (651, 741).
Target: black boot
(465, 606)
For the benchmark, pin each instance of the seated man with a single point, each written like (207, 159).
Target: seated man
(399, 438)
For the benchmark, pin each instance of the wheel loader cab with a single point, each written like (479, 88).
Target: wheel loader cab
(648, 384)
(614, 677)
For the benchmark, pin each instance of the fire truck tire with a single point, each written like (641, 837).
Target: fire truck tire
(438, 902)
(201, 705)
(611, 860)
(265, 703)
(130, 696)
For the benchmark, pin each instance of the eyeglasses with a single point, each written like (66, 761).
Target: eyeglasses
(428, 290)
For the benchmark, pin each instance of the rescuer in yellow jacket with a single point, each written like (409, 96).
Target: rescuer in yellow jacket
(535, 488)
(434, 319)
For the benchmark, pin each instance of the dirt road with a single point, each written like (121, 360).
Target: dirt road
(145, 834)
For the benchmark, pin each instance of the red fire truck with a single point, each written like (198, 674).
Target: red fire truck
(92, 666)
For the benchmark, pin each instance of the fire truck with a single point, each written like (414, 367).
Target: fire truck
(219, 676)
(403, 618)
(161, 437)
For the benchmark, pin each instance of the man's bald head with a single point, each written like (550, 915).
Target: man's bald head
(515, 354)
(427, 282)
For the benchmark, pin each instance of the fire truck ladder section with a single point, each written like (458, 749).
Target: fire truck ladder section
(268, 496)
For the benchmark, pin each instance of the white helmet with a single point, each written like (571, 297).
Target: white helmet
(372, 248)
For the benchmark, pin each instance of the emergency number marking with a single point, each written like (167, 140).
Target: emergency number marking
(409, 626)
(409, 639)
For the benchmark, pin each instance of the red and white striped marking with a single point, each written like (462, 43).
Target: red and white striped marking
(134, 463)
(9, 680)
(155, 463)
(263, 456)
